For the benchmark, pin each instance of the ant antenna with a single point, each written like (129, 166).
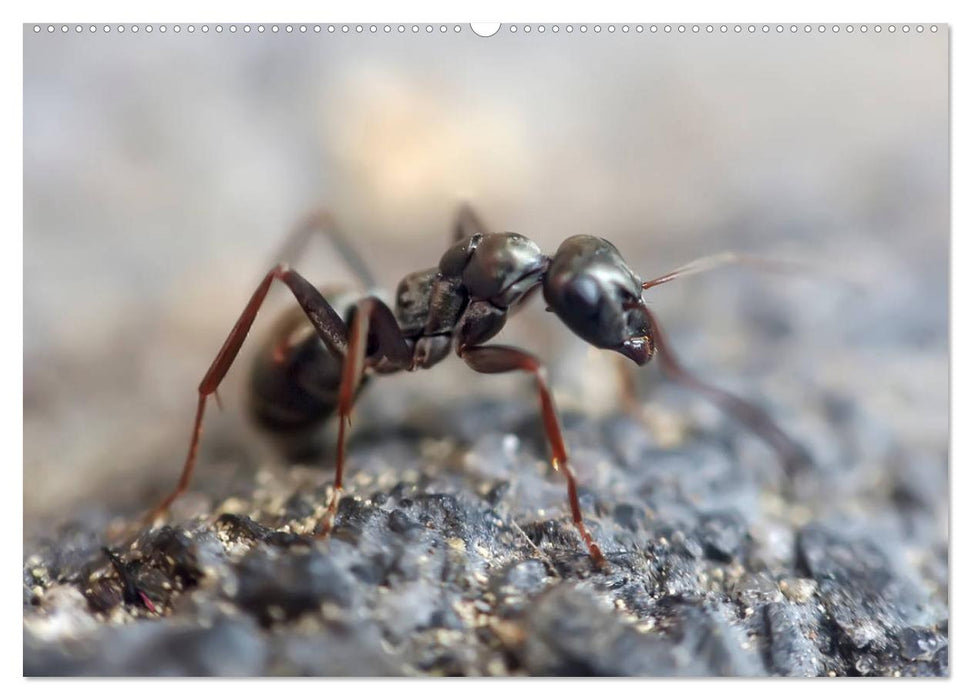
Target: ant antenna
(713, 262)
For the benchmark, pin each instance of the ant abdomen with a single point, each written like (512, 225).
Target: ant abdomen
(295, 377)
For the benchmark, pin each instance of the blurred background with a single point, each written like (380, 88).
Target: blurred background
(161, 172)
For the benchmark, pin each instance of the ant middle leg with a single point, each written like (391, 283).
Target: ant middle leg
(370, 319)
(328, 324)
(495, 359)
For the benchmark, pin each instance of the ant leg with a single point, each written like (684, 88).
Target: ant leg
(330, 327)
(663, 431)
(495, 359)
(628, 387)
(370, 315)
(321, 221)
(792, 455)
(467, 222)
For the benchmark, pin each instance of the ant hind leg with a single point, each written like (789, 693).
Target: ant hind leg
(467, 223)
(328, 324)
(321, 222)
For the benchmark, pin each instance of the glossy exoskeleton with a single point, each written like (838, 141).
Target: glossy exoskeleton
(322, 350)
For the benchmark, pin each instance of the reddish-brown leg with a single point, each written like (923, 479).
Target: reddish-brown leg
(628, 387)
(329, 325)
(467, 223)
(792, 455)
(321, 222)
(371, 317)
(494, 359)
(665, 432)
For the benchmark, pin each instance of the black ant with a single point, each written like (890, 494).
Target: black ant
(318, 356)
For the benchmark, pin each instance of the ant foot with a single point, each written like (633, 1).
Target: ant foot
(599, 561)
(324, 527)
(598, 558)
(327, 522)
(154, 516)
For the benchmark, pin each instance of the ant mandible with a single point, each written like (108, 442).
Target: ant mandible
(318, 356)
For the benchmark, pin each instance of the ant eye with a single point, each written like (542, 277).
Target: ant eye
(584, 293)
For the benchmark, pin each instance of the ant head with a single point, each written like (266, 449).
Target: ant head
(596, 294)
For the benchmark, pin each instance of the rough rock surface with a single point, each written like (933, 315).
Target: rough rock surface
(157, 183)
(453, 553)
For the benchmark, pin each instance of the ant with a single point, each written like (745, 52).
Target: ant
(318, 356)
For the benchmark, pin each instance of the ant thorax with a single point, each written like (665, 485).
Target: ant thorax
(467, 296)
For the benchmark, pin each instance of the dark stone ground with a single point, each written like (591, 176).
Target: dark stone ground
(454, 554)
(156, 186)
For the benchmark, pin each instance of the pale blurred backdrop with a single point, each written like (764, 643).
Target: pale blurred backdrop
(161, 171)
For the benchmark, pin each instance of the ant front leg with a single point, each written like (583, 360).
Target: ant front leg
(495, 359)
(662, 429)
(329, 325)
(792, 455)
(370, 318)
